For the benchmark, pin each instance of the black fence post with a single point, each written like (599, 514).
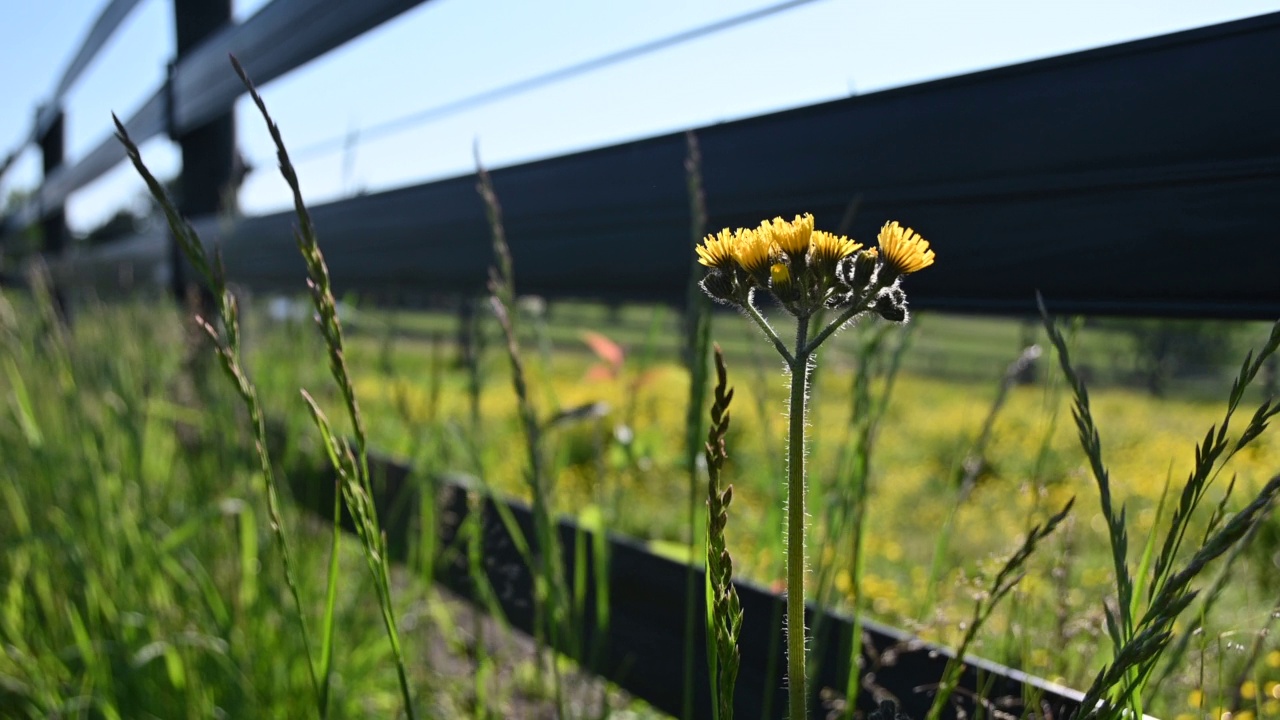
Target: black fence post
(52, 139)
(54, 234)
(208, 151)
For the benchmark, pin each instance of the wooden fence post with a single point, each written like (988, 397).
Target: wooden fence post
(208, 151)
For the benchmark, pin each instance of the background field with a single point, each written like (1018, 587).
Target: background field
(625, 458)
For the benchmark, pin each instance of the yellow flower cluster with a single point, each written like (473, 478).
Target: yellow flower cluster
(753, 249)
(807, 269)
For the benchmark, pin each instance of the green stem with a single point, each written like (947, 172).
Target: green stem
(800, 368)
(754, 314)
(835, 325)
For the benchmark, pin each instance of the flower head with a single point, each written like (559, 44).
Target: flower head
(752, 249)
(826, 247)
(717, 250)
(792, 237)
(903, 250)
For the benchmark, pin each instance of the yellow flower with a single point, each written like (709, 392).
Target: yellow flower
(829, 248)
(790, 237)
(1196, 698)
(903, 249)
(752, 250)
(844, 581)
(1249, 690)
(717, 250)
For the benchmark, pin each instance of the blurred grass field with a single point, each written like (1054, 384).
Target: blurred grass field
(138, 571)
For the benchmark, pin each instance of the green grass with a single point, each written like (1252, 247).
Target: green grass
(140, 577)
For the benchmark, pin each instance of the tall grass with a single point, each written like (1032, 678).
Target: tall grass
(140, 576)
(550, 595)
(1149, 599)
(226, 341)
(723, 611)
(696, 355)
(351, 466)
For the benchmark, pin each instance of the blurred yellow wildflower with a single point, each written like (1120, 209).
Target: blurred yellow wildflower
(903, 249)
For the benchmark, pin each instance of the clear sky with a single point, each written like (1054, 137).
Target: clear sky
(449, 49)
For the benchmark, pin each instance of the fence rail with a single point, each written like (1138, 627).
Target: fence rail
(282, 36)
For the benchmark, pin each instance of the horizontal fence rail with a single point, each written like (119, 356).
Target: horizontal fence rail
(283, 35)
(103, 28)
(1119, 180)
(646, 629)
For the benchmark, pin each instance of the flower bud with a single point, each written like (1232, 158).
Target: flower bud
(858, 271)
(718, 285)
(892, 305)
(781, 283)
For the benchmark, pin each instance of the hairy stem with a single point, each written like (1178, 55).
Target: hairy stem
(800, 368)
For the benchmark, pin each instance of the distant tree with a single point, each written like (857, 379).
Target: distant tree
(123, 224)
(27, 240)
(1167, 349)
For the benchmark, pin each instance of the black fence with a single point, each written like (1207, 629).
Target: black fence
(645, 637)
(1134, 179)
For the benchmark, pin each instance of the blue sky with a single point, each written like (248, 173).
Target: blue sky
(449, 49)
